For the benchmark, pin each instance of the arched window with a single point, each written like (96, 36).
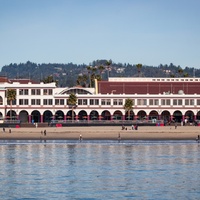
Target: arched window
(76, 91)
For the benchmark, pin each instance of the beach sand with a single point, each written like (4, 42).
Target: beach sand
(103, 133)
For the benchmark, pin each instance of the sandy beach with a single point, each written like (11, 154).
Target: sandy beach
(102, 133)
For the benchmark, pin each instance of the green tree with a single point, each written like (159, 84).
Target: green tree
(11, 96)
(108, 64)
(139, 66)
(172, 75)
(101, 68)
(128, 106)
(185, 74)
(72, 102)
(180, 71)
(89, 69)
(82, 80)
(49, 79)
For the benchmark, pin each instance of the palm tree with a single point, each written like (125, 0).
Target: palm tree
(128, 106)
(139, 66)
(79, 80)
(82, 80)
(185, 74)
(101, 69)
(180, 71)
(85, 80)
(89, 69)
(108, 63)
(11, 96)
(72, 101)
(93, 76)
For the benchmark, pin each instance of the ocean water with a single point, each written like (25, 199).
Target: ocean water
(99, 170)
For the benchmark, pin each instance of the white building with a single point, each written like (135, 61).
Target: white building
(154, 98)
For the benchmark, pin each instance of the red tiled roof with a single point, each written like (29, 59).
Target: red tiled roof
(23, 81)
(105, 87)
(4, 79)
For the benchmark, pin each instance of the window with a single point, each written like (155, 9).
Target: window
(35, 101)
(23, 101)
(117, 101)
(47, 102)
(35, 91)
(120, 102)
(23, 92)
(177, 102)
(79, 101)
(141, 102)
(198, 101)
(94, 101)
(153, 102)
(47, 92)
(91, 101)
(165, 102)
(105, 102)
(189, 102)
(59, 101)
(82, 101)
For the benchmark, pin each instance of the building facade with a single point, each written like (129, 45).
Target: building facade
(153, 99)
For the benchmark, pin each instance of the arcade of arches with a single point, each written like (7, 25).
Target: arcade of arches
(47, 116)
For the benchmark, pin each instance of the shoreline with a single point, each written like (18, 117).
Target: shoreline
(102, 133)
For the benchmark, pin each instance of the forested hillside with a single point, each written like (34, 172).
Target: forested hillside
(72, 74)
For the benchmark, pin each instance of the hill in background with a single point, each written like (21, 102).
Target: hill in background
(72, 74)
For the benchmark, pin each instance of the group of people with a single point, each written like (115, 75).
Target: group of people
(45, 133)
(134, 127)
(4, 130)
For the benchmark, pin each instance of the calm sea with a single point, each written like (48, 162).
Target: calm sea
(99, 170)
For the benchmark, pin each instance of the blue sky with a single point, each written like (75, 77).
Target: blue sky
(150, 32)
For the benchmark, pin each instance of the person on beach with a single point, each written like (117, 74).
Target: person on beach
(132, 127)
(198, 138)
(80, 137)
(10, 131)
(136, 127)
(45, 132)
(119, 137)
(175, 125)
(4, 129)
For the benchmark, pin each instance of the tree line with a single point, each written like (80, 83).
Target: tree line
(68, 75)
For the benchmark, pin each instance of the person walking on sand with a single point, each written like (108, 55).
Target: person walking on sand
(4, 129)
(45, 132)
(119, 137)
(80, 137)
(175, 125)
(198, 138)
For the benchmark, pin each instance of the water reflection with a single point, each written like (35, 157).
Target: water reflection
(100, 170)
